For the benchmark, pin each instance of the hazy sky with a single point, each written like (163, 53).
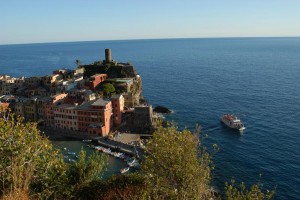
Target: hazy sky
(31, 21)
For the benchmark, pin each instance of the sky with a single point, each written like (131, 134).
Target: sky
(40, 21)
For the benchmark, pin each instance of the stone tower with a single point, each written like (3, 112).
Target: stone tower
(108, 57)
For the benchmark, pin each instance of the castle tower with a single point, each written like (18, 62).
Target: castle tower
(108, 56)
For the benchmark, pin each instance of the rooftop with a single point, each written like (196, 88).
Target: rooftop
(116, 96)
(65, 106)
(95, 75)
(120, 80)
(100, 102)
(87, 104)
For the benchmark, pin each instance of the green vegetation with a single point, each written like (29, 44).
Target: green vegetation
(108, 89)
(28, 163)
(107, 67)
(176, 166)
(242, 193)
(130, 186)
(113, 70)
(85, 170)
(30, 168)
(100, 68)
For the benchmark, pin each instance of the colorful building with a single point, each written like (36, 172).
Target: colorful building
(95, 117)
(65, 117)
(95, 80)
(118, 107)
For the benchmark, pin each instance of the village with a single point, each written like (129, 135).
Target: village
(103, 99)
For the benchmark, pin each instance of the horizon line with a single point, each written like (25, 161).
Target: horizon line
(134, 39)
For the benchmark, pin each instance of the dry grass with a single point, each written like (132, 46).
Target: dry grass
(16, 195)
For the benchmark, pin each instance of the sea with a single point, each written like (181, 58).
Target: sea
(258, 79)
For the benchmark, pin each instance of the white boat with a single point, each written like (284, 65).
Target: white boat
(233, 122)
(86, 140)
(71, 160)
(133, 163)
(71, 153)
(124, 170)
(108, 151)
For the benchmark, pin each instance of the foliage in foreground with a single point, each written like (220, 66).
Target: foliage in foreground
(176, 166)
(28, 163)
(86, 170)
(240, 192)
(30, 168)
(131, 186)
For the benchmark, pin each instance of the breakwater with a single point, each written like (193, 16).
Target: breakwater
(59, 134)
(120, 147)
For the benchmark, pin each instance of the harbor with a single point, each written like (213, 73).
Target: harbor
(124, 150)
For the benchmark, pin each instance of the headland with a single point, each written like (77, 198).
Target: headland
(101, 99)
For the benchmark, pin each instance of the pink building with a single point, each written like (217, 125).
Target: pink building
(118, 108)
(65, 117)
(95, 117)
(48, 109)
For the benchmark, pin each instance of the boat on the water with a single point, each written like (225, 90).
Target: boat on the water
(124, 170)
(233, 122)
(71, 153)
(133, 163)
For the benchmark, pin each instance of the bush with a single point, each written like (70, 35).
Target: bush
(176, 166)
(28, 163)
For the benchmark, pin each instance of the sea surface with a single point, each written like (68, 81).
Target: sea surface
(200, 79)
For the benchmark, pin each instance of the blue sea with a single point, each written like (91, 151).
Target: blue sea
(200, 79)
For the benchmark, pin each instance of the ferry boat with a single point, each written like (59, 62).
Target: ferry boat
(233, 122)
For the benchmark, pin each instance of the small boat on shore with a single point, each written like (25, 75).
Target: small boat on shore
(71, 160)
(124, 170)
(87, 140)
(233, 122)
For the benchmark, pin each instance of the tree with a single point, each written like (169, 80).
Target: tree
(86, 170)
(78, 62)
(108, 89)
(240, 192)
(176, 166)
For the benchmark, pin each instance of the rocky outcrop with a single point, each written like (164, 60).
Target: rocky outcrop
(112, 69)
(115, 70)
(162, 109)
